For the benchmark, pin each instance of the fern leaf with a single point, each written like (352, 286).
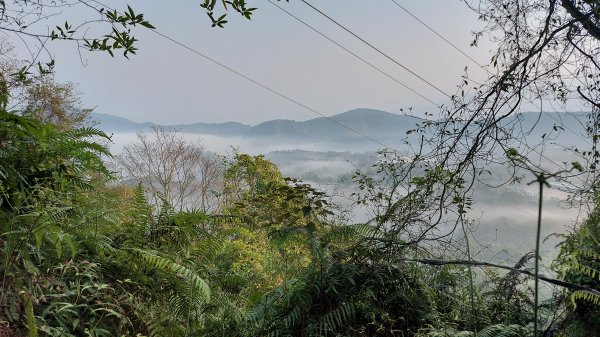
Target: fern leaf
(167, 265)
(501, 330)
(583, 269)
(585, 296)
(32, 328)
(339, 316)
(588, 254)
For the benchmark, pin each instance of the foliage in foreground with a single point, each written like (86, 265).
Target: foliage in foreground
(85, 255)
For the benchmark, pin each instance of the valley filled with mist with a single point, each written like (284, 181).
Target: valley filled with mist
(299, 168)
(327, 156)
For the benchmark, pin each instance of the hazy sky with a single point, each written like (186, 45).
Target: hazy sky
(166, 83)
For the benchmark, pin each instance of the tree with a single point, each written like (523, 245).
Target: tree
(102, 28)
(8, 62)
(40, 96)
(167, 165)
(55, 103)
(247, 176)
(24, 19)
(579, 262)
(547, 52)
(44, 173)
(355, 280)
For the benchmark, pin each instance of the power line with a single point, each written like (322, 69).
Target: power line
(404, 67)
(264, 86)
(423, 23)
(473, 60)
(445, 40)
(386, 74)
(477, 63)
(376, 49)
(354, 54)
(438, 34)
(250, 79)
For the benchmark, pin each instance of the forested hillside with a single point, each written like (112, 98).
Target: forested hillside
(169, 239)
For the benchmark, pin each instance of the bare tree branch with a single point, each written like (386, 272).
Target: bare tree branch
(550, 280)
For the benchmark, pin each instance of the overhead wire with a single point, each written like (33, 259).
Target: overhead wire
(445, 40)
(260, 84)
(339, 45)
(474, 61)
(438, 34)
(354, 54)
(376, 49)
(288, 98)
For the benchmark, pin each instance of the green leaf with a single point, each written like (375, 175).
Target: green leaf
(32, 328)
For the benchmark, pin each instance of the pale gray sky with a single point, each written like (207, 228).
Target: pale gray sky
(167, 84)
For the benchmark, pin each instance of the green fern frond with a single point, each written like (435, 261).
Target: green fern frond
(502, 330)
(339, 316)
(587, 254)
(588, 271)
(159, 327)
(275, 333)
(464, 334)
(59, 214)
(585, 296)
(292, 317)
(495, 330)
(86, 132)
(91, 146)
(208, 248)
(168, 266)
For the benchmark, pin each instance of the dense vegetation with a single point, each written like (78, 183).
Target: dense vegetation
(170, 240)
(86, 254)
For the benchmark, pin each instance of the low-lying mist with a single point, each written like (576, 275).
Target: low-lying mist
(254, 146)
(504, 219)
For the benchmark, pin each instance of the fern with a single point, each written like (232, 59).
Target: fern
(579, 267)
(32, 328)
(159, 326)
(584, 270)
(339, 316)
(167, 266)
(588, 254)
(495, 330)
(501, 330)
(207, 249)
(586, 296)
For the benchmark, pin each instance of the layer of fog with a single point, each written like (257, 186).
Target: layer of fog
(504, 219)
(255, 146)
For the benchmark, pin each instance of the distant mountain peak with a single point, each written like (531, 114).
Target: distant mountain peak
(365, 111)
(361, 127)
(377, 123)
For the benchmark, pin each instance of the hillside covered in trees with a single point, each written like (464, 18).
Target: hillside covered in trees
(168, 239)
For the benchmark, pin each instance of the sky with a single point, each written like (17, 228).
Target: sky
(168, 84)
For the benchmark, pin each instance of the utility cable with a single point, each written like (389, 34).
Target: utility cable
(439, 35)
(264, 86)
(376, 49)
(354, 54)
(477, 63)
(250, 79)
(368, 63)
(445, 40)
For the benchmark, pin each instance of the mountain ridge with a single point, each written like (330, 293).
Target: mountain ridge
(357, 126)
(360, 120)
